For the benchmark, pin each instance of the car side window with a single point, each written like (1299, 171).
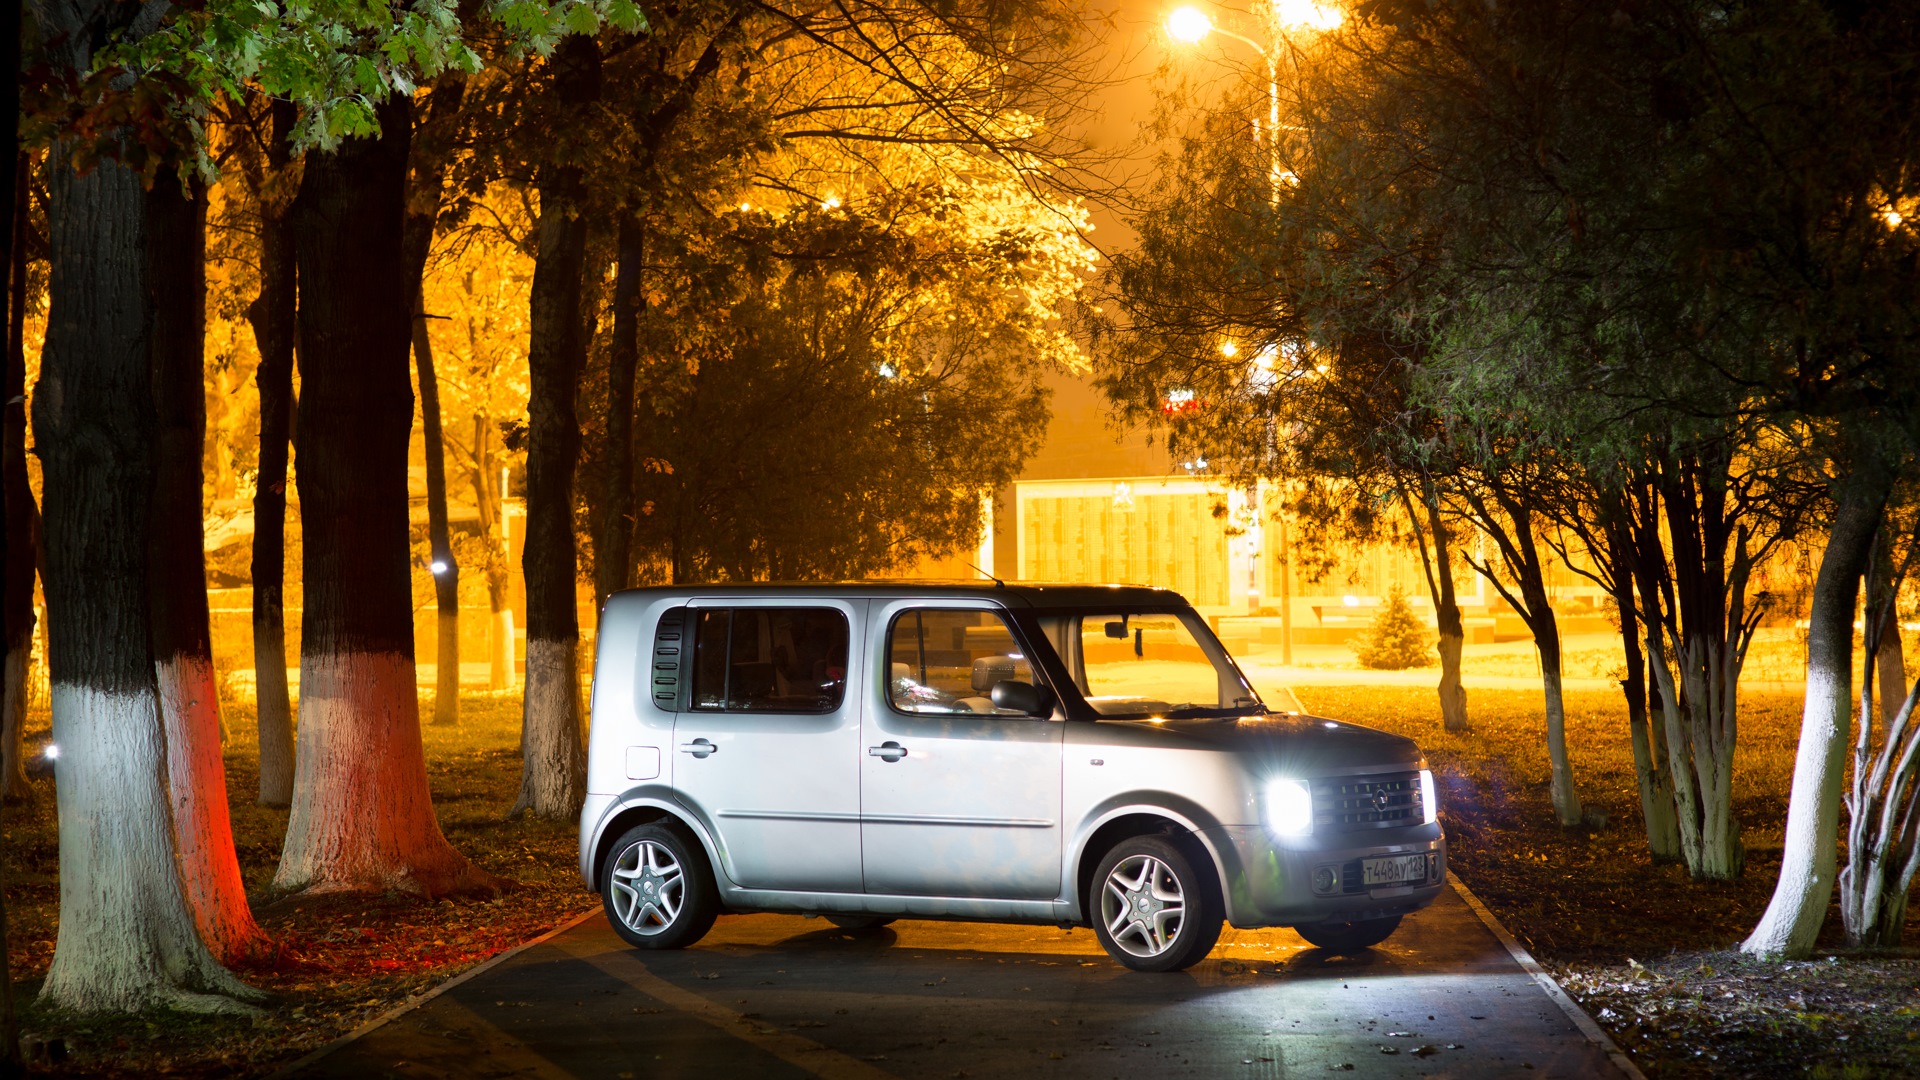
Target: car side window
(769, 659)
(947, 661)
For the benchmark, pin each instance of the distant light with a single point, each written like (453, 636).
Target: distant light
(888, 371)
(1350, 600)
(438, 567)
(1189, 24)
(1892, 217)
(1306, 15)
(831, 202)
(1228, 348)
(53, 752)
(744, 207)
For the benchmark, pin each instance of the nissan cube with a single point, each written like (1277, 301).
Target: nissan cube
(1067, 755)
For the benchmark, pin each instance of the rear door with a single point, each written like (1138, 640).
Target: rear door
(766, 745)
(957, 798)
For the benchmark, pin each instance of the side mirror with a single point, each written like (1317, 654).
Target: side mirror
(1023, 698)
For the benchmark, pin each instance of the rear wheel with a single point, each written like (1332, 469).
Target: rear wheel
(1348, 937)
(858, 922)
(658, 891)
(1153, 910)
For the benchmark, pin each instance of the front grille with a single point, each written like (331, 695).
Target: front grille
(1381, 801)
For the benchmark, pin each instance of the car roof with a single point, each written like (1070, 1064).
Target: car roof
(1030, 594)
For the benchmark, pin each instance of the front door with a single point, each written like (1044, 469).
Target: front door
(958, 798)
(766, 747)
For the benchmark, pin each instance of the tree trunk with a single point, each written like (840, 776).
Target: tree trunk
(1890, 658)
(177, 576)
(1546, 638)
(486, 496)
(1453, 633)
(1792, 920)
(445, 568)
(425, 183)
(1649, 745)
(613, 531)
(12, 450)
(553, 772)
(17, 567)
(1883, 814)
(362, 815)
(127, 938)
(272, 316)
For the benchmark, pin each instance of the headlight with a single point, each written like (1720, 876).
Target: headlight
(1289, 808)
(1428, 803)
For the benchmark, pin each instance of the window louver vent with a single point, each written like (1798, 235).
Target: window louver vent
(669, 650)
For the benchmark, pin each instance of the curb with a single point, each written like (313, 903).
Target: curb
(1592, 1030)
(414, 1002)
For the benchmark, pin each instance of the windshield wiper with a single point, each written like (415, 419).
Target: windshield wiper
(1187, 712)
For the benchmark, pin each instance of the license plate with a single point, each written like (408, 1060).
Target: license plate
(1395, 870)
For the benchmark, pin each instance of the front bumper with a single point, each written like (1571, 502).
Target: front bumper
(1272, 884)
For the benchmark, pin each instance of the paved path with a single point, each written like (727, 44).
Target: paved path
(783, 996)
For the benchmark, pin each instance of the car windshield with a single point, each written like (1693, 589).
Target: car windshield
(1137, 664)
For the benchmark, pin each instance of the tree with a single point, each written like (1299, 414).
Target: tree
(18, 566)
(127, 936)
(189, 694)
(1396, 639)
(270, 173)
(554, 777)
(362, 816)
(1883, 805)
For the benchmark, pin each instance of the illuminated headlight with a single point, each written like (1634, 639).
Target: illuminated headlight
(1428, 804)
(1289, 808)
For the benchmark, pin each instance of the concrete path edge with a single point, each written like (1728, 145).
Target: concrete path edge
(425, 996)
(1588, 1027)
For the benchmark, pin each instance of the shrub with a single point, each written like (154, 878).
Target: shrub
(1396, 639)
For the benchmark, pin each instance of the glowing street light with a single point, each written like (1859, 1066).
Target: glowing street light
(1189, 24)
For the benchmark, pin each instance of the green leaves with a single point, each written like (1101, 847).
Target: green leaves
(338, 58)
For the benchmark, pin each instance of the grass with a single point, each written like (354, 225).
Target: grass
(344, 959)
(1646, 950)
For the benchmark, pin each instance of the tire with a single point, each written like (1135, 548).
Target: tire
(1152, 909)
(657, 889)
(859, 922)
(1348, 937)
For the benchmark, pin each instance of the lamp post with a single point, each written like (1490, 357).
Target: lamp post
(1192, 26)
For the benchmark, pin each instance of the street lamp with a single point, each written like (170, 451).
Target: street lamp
(1192, 26)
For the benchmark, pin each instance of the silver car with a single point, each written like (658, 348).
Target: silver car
(1052, 754)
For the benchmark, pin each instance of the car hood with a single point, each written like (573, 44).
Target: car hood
(1299, 744)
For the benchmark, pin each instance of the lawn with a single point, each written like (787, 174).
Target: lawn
(344, 959)
(1646, 950)
(1642, 947)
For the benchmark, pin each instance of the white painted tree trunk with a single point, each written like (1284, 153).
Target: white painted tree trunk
(275, 713)
(126, 939)
(1791, 923)
(554, 766)
(1700, 717)
(203, 830)
(13, 721)
(1566, 797)
(500, 671)
(1883, 828)
(362, 818)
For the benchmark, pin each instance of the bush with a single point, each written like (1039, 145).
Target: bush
(1397, 639)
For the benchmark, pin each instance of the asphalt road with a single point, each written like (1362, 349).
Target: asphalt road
(783, 996)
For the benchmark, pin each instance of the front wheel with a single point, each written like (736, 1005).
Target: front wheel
(1348, 937)
(1153, 910)
(658, 891)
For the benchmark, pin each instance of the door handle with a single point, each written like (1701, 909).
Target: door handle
(887, 751)
(699, 748)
